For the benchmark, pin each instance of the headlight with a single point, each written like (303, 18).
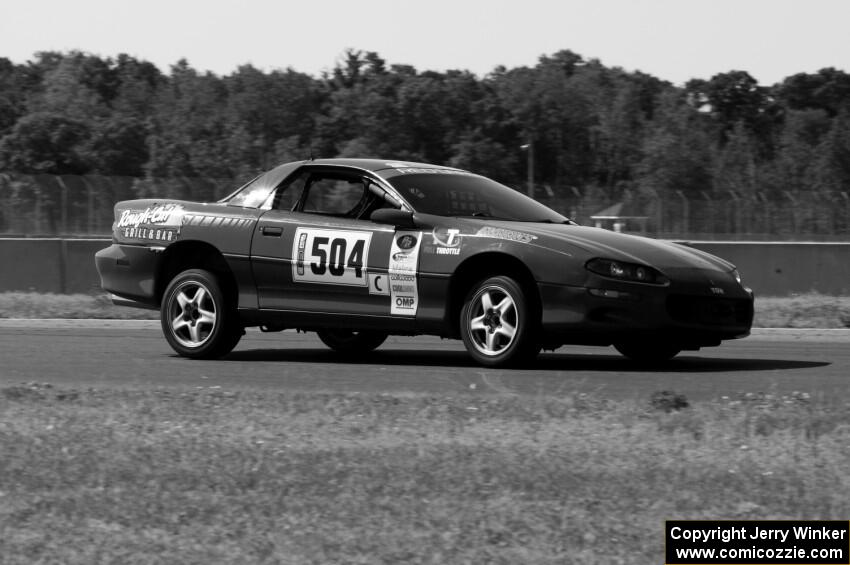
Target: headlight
(737, 276)
(631, 272)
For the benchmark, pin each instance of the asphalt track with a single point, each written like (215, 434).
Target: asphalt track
(133, 354)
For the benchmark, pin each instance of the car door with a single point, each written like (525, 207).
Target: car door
(316, 250)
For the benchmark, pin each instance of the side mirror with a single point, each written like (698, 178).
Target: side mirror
(393, 217)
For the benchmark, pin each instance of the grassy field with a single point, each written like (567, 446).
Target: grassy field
(209, 476)
(803, 311)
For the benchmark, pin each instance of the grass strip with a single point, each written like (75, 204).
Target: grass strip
(210, 476)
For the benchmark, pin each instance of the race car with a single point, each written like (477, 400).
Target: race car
(360, 249)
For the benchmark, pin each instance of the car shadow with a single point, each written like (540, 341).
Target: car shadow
(557, 361)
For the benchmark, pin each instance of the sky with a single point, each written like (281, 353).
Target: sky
(674, 40)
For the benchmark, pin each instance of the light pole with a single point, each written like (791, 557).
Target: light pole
(529, 147)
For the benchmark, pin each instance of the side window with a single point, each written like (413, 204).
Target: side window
(252, 195)
(287, 194)
(335, 195)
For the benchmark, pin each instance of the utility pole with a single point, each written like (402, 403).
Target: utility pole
(529, 147)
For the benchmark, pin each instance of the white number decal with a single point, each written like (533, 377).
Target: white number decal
(330, 256)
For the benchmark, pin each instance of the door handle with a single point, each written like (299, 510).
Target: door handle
(271, 231)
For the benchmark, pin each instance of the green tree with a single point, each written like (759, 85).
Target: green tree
(46, 142)
(828, 90)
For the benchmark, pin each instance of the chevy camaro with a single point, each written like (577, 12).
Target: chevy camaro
(359, 249)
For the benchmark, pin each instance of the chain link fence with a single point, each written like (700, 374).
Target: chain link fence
(72, 205)
(82, 205)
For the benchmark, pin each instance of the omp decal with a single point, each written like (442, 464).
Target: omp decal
(330, 256)
(379, 284)
(502, 233)
(403, 264)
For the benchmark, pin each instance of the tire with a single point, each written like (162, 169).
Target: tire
(350, 342)
(648, 353)
(197, 320)
(497, 324)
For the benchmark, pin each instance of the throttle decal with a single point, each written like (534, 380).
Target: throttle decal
(330, 256)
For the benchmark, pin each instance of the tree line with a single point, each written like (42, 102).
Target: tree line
(595, 130)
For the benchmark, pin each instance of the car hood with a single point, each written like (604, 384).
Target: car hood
(597, 242)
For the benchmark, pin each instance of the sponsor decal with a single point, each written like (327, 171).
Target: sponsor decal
(402, 271)
(446, 237)
(151, 234)
(444, 241)
(155, 223)
(421, 170)
(510, 235)
(331, 256)
(165, 215)
(379, 284)
(406, 241)
(302, 244)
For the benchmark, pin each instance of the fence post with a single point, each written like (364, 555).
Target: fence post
(847, 211)
(37, 211)
(732, 217)
(710, 202)
(760, 197)
(793, 211)
(90, 206)
(686, 213)
(64, 204)
(5, 204)
(659, 218)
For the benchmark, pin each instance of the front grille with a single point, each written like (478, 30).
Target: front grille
(710, 310)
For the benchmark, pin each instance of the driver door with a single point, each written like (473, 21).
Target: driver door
(316, 250)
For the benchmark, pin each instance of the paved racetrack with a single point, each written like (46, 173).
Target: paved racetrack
(74, 354)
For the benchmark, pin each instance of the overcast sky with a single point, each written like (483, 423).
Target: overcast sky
(672, 39)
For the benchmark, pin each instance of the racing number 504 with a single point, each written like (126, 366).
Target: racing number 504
(331, 255)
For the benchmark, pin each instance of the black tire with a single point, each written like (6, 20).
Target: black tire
(196, 317)
(648, 353)
(498, 325)
(351, 342)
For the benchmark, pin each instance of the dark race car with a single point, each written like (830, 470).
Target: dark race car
(358, 249)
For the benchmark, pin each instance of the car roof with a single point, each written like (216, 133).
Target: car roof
(275, 176)
(373, 164)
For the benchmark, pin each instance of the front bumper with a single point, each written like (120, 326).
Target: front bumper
(676, 314)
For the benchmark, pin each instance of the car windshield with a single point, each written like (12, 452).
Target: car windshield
(450, 193)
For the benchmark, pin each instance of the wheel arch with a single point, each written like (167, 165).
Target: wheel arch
(480, 267)
(193, 254)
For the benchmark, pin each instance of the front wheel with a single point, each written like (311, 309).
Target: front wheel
(497, 324)
(648, 353)
(196, 319)
(351, 342)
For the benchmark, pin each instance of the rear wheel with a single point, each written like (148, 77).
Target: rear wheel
(497, 324)
(351, 342)
(648, 353)
(196, 318)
